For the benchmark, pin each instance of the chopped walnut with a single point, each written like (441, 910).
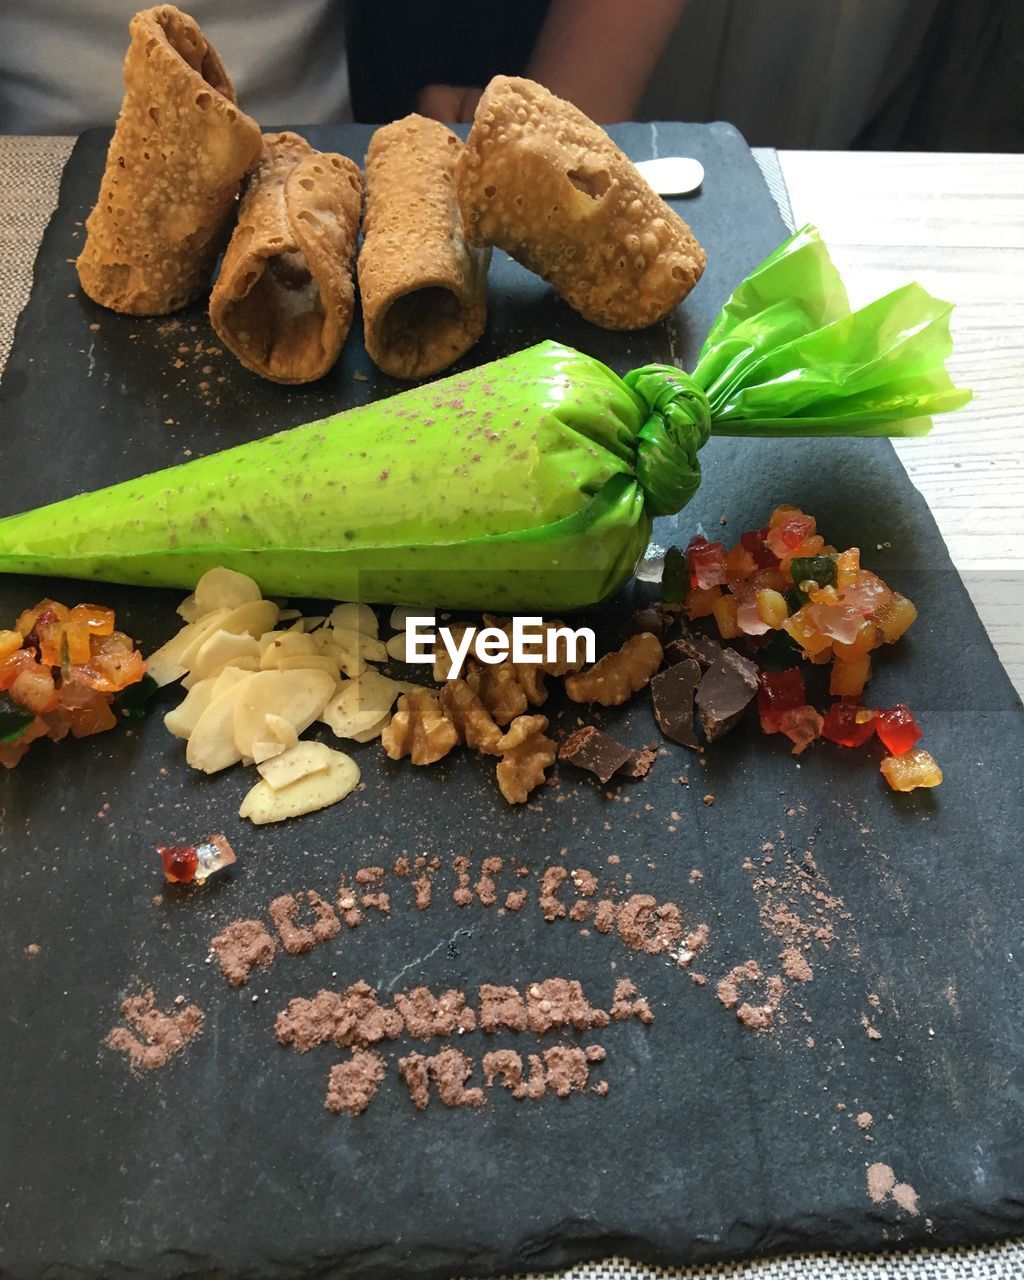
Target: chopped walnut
(498, 688)
(471, 718)
(559, 665)
(442, 658)
(525, 754)
(618, 675)
(419, 729)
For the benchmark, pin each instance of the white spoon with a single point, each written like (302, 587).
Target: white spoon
(672, 175)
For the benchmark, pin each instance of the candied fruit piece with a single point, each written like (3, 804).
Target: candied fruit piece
(894, 617)
(868, 637)
(839, 622)
(769, 580)
(14, 718)
(724, 609)
(115, 663)
(817, 569)
(185, 863)
(866, 593)
(94, 617)
(701, 603)
(87, 709)
(10, 642)
(771, 607)
(748, 619)
(13, 666)
(847, 567)
(46, 611)
(779, 692)
(34, 689)
(848, 725)
(707, 563)
(739, 563)
(847, 679)
(755, 541)
(897, 728)
(801, 627)
(11, 752)
(911, 770)
(801, 725)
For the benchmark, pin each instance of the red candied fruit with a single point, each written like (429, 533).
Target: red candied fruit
(707, 563)
(754, 540)
(780, 691)
(897, 728)
(181, 862)
(848, 725)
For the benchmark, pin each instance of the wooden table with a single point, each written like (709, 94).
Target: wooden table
(954, 223)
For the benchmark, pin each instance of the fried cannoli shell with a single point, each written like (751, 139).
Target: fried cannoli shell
(179, 153)
(423, 287)
(284, 298)
(546, 184)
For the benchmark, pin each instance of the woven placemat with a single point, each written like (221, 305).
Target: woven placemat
(30, 170)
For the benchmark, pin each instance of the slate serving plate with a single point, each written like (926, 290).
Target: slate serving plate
(713, 1141)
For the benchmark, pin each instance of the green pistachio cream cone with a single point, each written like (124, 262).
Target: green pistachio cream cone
(526, 484)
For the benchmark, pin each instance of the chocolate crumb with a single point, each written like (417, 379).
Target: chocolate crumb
(243, 946)
(152, 1037)
(298, 939)
(881, 1181)
(516, 899)
(32, 949)
(352, 1085)
(709, 799)
(865, 1120)
(795, 966)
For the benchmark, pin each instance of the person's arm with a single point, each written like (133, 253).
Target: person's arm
(599, 54)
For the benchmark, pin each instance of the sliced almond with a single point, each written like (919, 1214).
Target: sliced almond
(211, 745)
(219, 650)
(297, 696)
(355, 617)
(400, 615)
(263, 804)
(312, 624)
(281, 736)
(301, 761)
(222, 588)
(308, 662)
(253, 618)
(173, 659)
(282, 643)
(374, 731)
(361, 704)
(367, 647)
(183, 718)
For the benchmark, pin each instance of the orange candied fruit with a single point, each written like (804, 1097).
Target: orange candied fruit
(914, 769)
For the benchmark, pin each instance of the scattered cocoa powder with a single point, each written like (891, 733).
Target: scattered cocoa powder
(604, 916)
(865, 1120)
(551, 882)
(906, 1197)
(242, 946)
(486, 889)
(32, 949)
(427, 1016)
(153, 1036)
(352, 1085)
(299, 938)
(881, 1181)
(516, 900)
(646, 926)
(352, 1017)
(625, 1003)
(449, 1070)
(795, 966)
(369, 875)
(872, 1032)
(565, 1069)
(559, 1002)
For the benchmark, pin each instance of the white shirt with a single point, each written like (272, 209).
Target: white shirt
(61, 60)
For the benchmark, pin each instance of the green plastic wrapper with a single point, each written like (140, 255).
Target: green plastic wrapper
(525, 484)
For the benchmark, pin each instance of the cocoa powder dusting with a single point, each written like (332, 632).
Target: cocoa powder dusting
(427, 1016)
(795, 966)
(243, 946)
(153, 1036)
(881, 1181)
(299, 938)
(551, 882)
(625, 1003)
(352, 1017)
(646, 926)
(352, 1085)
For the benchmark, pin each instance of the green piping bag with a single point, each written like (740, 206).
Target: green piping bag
(525, 484)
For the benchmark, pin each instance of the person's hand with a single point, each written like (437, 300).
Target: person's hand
(449, 103)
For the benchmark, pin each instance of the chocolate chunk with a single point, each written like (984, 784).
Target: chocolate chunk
(725, 691)
(653, 619)
(639, 765)
(601, 754)
(672, 693)
(699, 648)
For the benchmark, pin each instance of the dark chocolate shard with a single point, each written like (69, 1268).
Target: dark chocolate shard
(692, 645)
(639, 765)
(600, 753)
(672, 692)
(725, 691)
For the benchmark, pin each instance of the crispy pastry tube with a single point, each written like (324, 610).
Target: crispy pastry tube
(423, 288)
(543, 182)
(284, 298)
(179, 153)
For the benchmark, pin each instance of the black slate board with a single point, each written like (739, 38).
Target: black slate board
(713, 1142)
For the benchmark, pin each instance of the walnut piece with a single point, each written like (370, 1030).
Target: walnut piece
(475, 724)
(617, 676)
(525, 754)
(499, 689)
(419, 729)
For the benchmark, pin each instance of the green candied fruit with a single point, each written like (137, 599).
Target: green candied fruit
(14, 718)
(819, 569)
(675, 576)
